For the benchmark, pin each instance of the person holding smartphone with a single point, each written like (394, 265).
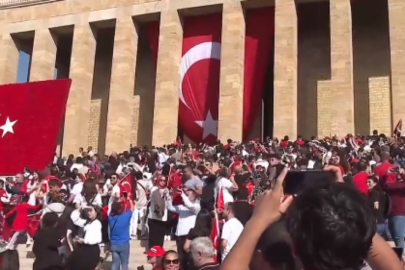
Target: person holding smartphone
(86, 254)
(119, 223)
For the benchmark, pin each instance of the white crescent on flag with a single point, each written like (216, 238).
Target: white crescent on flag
(202, 51)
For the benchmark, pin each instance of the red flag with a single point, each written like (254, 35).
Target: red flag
(125, 185)
(178, 142)
(174, 179)
(215, 235)
(398, 129)
(200, 66)
(31, 116)
(219, 202)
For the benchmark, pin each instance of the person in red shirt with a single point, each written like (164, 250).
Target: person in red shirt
(299, 141)
(17, 218)
(360, 178)
(284, 142)
(155, 255)
(382, 170)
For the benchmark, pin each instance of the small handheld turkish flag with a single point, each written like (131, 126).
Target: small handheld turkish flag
(31, 116)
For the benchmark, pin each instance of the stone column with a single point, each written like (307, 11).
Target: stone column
(120, 104)
(396, 10)
(81, 72)
(230, 111)
(8, 59)
(342, 90)
(43, 56)
(167, 79)
(285, 69)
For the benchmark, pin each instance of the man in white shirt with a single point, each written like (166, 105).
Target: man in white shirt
(77, 165)
(115, 191)
(231, 230)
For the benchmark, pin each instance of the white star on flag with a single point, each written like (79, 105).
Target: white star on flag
(8, 127)
(209, 125)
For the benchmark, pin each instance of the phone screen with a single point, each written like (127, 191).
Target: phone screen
(125, 195)
(295, 181)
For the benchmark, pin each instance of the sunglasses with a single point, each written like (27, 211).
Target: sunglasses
(175, 261)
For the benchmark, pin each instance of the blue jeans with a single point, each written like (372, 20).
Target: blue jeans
(382, 230)
(120, 256)
(396, 225)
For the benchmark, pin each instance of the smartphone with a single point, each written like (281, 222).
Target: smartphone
(125, 195)
(295, 181)
(174, 189)
(398, 251)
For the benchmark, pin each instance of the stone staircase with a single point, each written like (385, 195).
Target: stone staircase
(137, 257)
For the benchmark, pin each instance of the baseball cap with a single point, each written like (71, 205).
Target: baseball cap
(155, 251)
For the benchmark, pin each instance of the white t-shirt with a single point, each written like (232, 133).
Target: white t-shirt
(82, 201)
(32, 200)
(230, 232)
(77, 189)
(225, 184)
(115, 191)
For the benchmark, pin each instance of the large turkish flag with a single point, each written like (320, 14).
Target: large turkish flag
(199, 73)
(31, 116)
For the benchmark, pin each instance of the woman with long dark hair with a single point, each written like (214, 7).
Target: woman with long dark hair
(86, 253)
(202, 227)
(46, 244)
(378, 202)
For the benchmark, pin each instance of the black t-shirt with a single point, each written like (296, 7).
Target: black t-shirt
(240, 179)
(377, 196)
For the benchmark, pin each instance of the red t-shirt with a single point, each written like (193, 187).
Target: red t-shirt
(360, 181)
(299, 142)
(382, 169)
(284, 143)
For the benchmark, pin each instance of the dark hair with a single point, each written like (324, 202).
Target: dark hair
(276, 247)
(361, 166)
(203, 224)
(89, 190)
(49, 220)
(242, 193)
(54, 183)
(116, 208)
(333, 213)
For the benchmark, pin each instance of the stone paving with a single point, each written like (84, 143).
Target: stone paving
(137, 257)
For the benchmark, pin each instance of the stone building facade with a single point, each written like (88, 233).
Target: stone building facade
(339, 66)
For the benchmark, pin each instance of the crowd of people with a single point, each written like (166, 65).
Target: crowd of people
(226, 206)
